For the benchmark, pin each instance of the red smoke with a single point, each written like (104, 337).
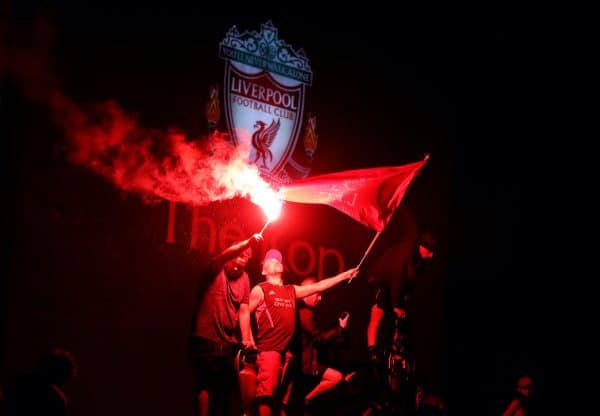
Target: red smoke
(105, 139)
(151, 162)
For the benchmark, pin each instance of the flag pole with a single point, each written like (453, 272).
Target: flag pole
(367, 252)
(368, 249)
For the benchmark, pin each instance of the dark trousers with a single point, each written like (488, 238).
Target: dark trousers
(212, 364)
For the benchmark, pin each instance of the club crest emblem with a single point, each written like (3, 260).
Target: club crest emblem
(264, 91)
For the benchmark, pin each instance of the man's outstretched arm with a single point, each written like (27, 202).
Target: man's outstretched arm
(307, 290)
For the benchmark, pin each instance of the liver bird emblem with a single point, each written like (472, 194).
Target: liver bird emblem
(263, 138)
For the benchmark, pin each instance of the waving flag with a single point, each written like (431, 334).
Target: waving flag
(370, 196)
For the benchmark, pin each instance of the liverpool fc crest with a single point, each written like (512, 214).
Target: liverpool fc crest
(265, 85)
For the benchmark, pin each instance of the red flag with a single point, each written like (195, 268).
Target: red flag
(370, 196)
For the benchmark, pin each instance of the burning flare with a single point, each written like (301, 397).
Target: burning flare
(260, 193)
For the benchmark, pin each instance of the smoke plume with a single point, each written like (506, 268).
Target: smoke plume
(104, 138)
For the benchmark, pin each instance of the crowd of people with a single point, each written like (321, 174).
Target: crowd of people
(256, 350)
(263, 350)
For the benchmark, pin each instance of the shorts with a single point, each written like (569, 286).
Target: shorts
(269, 365)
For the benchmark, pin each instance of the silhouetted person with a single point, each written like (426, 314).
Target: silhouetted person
(220, 318)
(521, 403)
(41, 391)
(311, 348)
(400, 267)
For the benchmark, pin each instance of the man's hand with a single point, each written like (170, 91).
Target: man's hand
(400, 312)
(255, 240)
(373, 357)
(248, 345)
(249, 353)
(350, 273)
(343, 320)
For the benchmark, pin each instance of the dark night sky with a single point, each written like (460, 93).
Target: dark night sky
(389, 86)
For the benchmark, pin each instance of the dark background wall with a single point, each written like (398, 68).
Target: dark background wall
(88, 266)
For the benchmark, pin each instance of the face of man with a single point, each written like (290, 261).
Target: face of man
(272, 267)
(236, 266)
(313, 299)
(525, 386)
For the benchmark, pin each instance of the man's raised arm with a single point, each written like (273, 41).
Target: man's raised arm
(307, 290)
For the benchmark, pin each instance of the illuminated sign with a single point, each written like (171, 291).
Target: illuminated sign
(210, 232)
(265, 86)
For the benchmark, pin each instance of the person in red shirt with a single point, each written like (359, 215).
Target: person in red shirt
(274, 306)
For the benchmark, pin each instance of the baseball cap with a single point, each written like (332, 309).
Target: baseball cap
(273, 254)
